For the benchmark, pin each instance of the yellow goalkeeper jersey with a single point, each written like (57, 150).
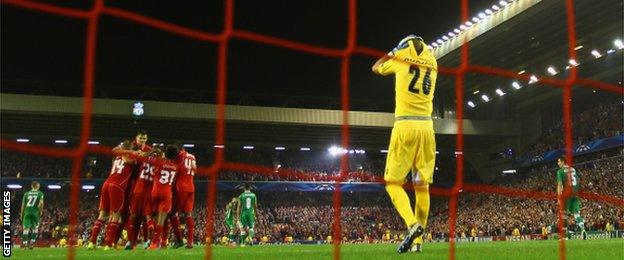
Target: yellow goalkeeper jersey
(415, 80)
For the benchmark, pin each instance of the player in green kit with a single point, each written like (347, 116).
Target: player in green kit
(32, 207)
(246, 214)
(567, 178)
(229, 219)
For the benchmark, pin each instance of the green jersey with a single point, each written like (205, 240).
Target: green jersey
(568, 177)
(31, 201)
(247, 201)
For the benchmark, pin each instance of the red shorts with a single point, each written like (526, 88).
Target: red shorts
(141, 204)
(183, 201)
(161, 202)
(112, 198)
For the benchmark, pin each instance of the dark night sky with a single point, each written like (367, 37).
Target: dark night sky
(47, 48)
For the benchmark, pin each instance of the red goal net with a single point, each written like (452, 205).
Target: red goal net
(99, 9)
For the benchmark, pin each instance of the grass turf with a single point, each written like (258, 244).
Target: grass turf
(575, 249)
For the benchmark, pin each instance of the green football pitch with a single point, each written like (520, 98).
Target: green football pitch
(575, 249)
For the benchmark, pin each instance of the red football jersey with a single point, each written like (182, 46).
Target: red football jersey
(137, 176)
(136, 171)
(163, 178)
(120, 173)
(144, 181)
(146, 148)
(186, 171)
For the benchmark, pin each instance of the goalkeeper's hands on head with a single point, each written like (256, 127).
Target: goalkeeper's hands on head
(404, 42)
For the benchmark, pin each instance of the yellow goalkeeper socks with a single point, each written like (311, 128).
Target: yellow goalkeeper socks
(421, 208)
(401, 203)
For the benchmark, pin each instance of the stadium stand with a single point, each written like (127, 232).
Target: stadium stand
(598, 121)
(308, 214)
(499, 215)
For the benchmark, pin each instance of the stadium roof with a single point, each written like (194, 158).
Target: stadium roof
(530, 43)
(49, 118)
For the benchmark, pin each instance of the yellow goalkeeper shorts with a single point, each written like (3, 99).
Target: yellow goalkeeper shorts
(412, 147)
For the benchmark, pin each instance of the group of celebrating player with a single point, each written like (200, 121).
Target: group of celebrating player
(149, 188)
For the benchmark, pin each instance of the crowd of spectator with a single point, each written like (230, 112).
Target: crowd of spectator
(602, 120)
(317, 166)
(494, 214)
(370, 215)
(25, 165)
(284, 166)
(310, 214)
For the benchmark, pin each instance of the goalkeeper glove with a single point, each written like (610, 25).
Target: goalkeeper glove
(404, 42)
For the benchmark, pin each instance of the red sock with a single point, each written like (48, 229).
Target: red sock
(117, 234)
(151, 225)
(95, 231)
(157, 234)
(165, 232)
(144, 229)
(111, 232)
(175, 224)
(132, 225)
(190, 229)
(136, 226)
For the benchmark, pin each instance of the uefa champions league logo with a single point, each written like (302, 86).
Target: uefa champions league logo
(241, 186)
(582, 148)
(324, 187)
(137, 110)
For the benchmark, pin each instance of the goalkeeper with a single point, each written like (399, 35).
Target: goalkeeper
(412, 142)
